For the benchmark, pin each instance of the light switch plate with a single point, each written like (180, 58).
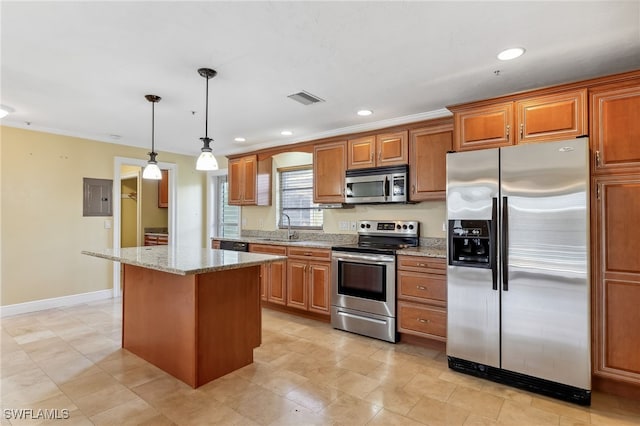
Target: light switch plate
(107, 224)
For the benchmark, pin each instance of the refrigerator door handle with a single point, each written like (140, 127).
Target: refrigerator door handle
(504, 247)
(494, 239)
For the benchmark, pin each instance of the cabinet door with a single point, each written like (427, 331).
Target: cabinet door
(297, 284)
(163, 190)
(277, 290)
(265, 273)
(428, 162)
(483, 127)
(236, 176)
(615, 128)
(329, 165)
(361, 153)
(250, 173)
(617, 278)
(319, 286)
(393, 149)
(552, 117)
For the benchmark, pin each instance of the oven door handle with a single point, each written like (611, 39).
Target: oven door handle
(378, 260)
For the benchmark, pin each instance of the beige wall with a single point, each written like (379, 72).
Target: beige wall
(430, 214)
(43, 230)
(152, 215)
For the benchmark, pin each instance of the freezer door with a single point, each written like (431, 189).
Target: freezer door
(473, 305)
(545, 268)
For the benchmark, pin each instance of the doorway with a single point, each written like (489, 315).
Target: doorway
(126, 169)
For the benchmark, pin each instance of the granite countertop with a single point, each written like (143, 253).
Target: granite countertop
(280, 242)
(183, 260)
(428, 251)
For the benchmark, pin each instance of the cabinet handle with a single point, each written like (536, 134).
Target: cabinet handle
(421, 287)
(421, 264)
(380, 156)
(508, 131)
(424, 321)
(521, 130)
(598, 159)
(413, 189)
(371, 157)
(308, 253)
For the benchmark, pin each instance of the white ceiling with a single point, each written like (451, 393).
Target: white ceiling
(83, 68)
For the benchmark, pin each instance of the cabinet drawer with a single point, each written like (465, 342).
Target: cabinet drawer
(309, 253)
(431, 265)
(267, 249)
(422, 320)
(422, 287)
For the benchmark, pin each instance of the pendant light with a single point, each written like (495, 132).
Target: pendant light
(206, 160)
(152, 171)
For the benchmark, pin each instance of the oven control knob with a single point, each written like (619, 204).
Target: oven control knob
(398, 226)
(404, 226)
(410, 226)
(368, 225)
(362, 225)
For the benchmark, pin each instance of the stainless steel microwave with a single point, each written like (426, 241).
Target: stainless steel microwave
(377, 185)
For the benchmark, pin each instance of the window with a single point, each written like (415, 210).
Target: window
(227, 217)
(296, 199)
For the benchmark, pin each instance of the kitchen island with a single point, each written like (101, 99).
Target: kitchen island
(193, 312)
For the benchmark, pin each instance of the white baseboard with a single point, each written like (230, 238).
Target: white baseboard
(55, 302)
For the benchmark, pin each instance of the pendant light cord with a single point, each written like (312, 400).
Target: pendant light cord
(206, 108)
(153, 125)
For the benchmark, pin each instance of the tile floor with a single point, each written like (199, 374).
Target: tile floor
(305, 373)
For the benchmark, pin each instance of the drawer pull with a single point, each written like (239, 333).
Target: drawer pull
(421, 287)
(308, 253)
(424, 321)
(422, 265)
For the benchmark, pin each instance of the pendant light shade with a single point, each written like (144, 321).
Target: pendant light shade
(206, 160)
(152, 171)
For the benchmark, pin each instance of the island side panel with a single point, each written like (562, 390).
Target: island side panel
(158, 320)
(229, 321)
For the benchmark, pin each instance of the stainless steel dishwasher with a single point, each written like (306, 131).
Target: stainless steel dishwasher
(234, 245)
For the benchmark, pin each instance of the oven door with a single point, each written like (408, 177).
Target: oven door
(364, 282)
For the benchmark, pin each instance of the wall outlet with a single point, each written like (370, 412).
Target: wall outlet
(343, 225)
(261, 223)
(244, 222)
(353, 225)
(444, 226)
(107, 224)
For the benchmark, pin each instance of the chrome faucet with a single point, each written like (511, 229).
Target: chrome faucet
(290, 235)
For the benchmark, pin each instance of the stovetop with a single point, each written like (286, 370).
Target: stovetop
(383, 237)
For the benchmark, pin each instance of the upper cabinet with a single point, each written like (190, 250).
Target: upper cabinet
(163, 190)
(428, 160)
(249, 181)
(388, 149)
(615, 128)
(329, 165)
(543, 118)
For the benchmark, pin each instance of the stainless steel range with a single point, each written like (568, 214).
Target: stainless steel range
(363, 294)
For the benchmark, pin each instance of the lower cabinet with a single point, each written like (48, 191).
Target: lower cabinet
(308, 279)
(422, 296)
(273, 276)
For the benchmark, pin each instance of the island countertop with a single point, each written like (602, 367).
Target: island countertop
(183, 260)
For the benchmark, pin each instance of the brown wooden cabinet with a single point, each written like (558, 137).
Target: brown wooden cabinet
(615, 128)
(249, 181)
(422, 296)
(534, 118)
(163, 190)
(387, 149)
(428, 149)
(154, 239)
(308, 279)
(273, 276)
(616, 309)
(329, 165)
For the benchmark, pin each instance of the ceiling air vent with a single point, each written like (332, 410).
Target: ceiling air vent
(305, 98)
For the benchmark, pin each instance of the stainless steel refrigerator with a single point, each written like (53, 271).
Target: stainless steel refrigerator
(518, 267)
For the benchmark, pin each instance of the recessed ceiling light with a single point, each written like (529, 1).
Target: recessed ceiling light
(511, 53)
(286, 133)
(365, 112)
(5, 110)
(240, 139)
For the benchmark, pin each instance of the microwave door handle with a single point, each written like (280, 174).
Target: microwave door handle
(386, 188)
